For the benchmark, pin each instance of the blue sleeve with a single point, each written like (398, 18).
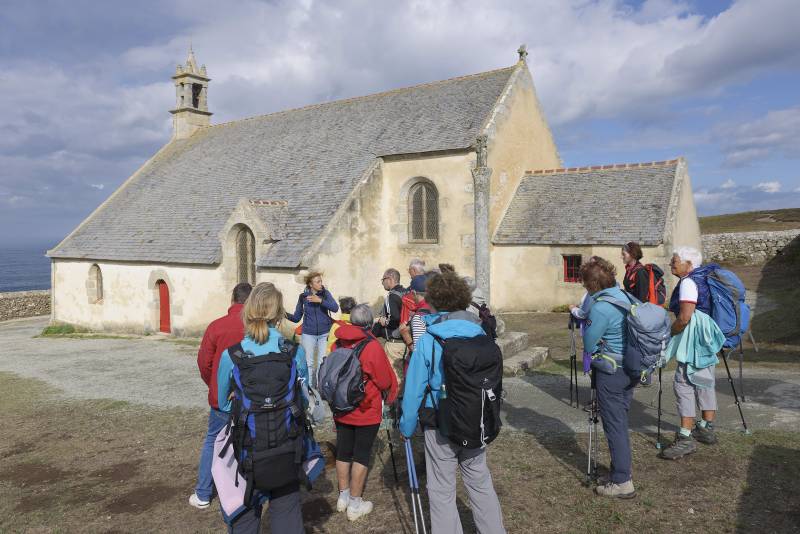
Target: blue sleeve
(298, 311)
(300, 363)
(329, 303)
(224, 373)
(416, 382)
(596, 327)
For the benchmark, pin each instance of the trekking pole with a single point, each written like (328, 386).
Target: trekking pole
(735, 396)
(391, 453)
(591, 464)
(573, 364)
(658, 426)
(414, 485)
(741, 360)
(753, 340)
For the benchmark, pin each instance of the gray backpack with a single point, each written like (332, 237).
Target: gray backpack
(647, 327)
(340, 380)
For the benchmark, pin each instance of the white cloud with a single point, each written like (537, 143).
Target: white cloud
(777, 132)
(769, 187)
(98, 186)
(715, 200)
(728, 184)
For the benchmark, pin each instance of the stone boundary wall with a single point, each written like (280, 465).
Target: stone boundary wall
(16, 304)
(746, 247)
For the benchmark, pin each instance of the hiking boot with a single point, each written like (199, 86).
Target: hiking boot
(359, 509)
(679, 448)
(704, 435)
(195, 501)
(620, 491)
(343, 501)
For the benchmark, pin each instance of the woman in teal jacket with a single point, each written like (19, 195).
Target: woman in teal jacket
(262, 313)
(449, 296)
(604, 339)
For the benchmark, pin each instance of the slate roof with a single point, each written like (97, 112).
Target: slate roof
(311, 158)
(603, 205)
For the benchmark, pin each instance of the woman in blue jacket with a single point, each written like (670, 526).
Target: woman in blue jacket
(314, 306)
(448, 295)
(604, 338)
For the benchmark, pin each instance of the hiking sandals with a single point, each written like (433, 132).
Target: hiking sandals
(679, 448)
(620, 491)
(705, 435)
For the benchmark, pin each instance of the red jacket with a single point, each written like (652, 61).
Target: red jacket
(220, 334)
(378, 374)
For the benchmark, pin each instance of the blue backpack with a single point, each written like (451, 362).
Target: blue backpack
(647, 329)
(728, 308)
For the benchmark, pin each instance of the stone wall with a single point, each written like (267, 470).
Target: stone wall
(18, 304)
(746, 247)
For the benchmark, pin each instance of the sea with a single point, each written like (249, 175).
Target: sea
(24, 268)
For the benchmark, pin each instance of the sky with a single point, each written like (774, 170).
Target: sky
(85, 86)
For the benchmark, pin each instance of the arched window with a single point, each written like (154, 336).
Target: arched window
(95, 284)
(245, 256)
(423, 213)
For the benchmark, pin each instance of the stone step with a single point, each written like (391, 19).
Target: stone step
(525, 361)
(511, 343)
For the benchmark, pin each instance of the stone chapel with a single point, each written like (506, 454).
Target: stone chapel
(462, 171)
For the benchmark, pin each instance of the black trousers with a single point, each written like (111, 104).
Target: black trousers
(354, 443)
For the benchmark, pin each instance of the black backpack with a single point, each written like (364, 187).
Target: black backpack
(268, 418)
(469, 412)
(488, 321)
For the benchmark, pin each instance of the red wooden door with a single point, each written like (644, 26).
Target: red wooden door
(163, 306)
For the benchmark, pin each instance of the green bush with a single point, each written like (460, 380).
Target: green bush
(562, 308)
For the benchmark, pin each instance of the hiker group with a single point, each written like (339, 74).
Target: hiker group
(627, 336)
(428, 366)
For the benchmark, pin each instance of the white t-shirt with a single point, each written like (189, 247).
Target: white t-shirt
(687, 291)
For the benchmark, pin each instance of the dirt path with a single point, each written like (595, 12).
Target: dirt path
(162, 373)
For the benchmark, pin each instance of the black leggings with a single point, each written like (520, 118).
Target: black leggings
(354, 443)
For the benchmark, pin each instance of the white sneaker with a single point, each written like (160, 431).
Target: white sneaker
(195, 501)
(355, 511)
(343, 501)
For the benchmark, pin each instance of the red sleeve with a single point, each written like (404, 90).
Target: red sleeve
(205, 356)
(376, 365)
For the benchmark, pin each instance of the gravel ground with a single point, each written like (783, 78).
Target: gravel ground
(161, 373)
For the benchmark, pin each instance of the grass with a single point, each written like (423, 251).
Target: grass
(143, 463)
(751, 221)
(61, 329)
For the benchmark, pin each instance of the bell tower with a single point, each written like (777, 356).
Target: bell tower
(191, 92)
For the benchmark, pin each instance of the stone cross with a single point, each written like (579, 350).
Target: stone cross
(523, 52)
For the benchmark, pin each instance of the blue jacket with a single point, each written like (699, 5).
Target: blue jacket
(225, 371)
(606, 322)
(316, 317)
(421, 372)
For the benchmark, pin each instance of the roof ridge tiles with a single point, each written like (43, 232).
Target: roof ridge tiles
(605, 167)
(363, 97)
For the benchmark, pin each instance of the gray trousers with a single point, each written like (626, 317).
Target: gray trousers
(687, 394)
(285, 517)
(442, 459)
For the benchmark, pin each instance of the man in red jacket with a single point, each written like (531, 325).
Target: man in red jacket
(220, 334)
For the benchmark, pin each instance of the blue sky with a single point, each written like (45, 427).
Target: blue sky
(85, 86)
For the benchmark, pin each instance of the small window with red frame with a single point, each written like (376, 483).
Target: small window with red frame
(572, 268)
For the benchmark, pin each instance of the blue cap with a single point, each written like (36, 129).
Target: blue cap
(418, 283)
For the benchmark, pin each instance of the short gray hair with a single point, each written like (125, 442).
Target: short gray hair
(417, 265)
(690, 254)
(361, 315)
(392, 273)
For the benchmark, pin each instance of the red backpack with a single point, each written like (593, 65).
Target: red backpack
(657, 291)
